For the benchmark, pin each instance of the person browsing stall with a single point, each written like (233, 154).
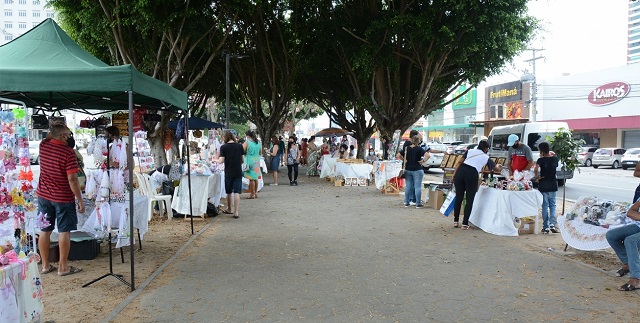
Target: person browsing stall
(276, 155)
(58, 190)
(519, 156)
(625, 241)
(252, 148)
(231, 154)
(371, 156)
(413, 171)
(466, 177)
(545, 172)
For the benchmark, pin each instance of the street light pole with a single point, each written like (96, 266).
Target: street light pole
(227, 90)
(228, 58)
(534, 85)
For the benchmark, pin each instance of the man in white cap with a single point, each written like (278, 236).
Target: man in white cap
(519, 156)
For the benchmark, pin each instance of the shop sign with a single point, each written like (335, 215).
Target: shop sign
(609, 93)
(506, 92)
(468, 100)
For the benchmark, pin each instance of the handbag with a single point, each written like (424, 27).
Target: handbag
(404, 164)
(39, 121)
(448, 204)
(245, 167)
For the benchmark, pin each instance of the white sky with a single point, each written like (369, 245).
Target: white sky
(578, 36)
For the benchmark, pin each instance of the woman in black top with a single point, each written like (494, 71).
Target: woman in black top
(413, 171)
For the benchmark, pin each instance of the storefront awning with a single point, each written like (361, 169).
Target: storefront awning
(627, 122)
(445, 127)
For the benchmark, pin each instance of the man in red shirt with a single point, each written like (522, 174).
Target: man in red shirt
(58, 188)
(519, 156)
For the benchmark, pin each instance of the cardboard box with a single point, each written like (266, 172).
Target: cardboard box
(527, 227)
(436, 198)
(339, 182)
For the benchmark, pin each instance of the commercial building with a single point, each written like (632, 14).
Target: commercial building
(19, 16)
(600, 107)
(633, 33)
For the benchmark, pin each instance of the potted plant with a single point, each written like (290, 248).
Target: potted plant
(565, 148)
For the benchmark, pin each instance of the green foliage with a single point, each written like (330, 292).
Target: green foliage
(566, 148)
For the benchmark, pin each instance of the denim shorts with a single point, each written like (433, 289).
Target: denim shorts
(233, 185)
(64, 215)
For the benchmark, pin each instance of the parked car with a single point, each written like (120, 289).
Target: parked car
(607, 157)
(34, 152)
(461, 149)
(436, 158)
(630, 158)
(451, 145)
(585, 155)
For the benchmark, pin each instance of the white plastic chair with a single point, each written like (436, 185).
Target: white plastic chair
(145, 189)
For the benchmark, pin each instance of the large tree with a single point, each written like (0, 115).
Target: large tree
(173, 41)
(406, 57)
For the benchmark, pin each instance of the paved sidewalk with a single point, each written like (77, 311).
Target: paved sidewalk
(321, 253)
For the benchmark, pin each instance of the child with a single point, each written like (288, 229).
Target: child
(545, 171)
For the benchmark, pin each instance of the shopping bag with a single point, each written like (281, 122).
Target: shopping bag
(448, 204)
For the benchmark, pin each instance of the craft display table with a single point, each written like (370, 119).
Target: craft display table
(386, 175)
(328, 166)
(21, 291)
(494, 210)
(353, 170)
(204, 189)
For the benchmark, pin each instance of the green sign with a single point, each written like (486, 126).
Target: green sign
(468, 100)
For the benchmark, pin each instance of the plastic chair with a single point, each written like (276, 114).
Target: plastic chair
(145, 189)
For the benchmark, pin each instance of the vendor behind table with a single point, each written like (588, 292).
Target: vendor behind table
(466, 179)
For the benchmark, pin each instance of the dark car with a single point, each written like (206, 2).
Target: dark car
(461, 149)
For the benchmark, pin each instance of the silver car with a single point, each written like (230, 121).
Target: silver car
(608, 157)
(34, 152)
(585, 155)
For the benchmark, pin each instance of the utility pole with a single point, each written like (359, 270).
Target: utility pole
(534, 85)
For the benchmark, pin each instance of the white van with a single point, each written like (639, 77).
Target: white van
(531, 134)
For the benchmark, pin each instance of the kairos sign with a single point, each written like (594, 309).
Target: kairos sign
(609, 93)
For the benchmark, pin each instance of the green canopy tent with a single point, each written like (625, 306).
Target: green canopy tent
(45, 69)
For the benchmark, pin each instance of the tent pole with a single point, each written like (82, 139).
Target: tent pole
(130, 164)
(186, 135)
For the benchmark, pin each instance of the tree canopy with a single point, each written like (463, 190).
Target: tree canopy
(370, 64)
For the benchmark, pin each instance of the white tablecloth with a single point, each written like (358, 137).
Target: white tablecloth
(583, 236)
(494, 210)
(353, 170)
(385, 170)
(21, 295)
(88, 221)
(203, 189)
(328, 166)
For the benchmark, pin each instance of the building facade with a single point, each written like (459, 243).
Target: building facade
(633, 33)
(454, 121)
(19, 16)
(600, 107)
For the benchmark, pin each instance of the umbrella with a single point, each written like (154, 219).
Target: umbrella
(196, 123)
(332, 132)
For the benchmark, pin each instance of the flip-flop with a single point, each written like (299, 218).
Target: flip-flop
(72, 270)
(621, 272)
(227, 212)
(236, 216)
(627, 288)
(51, 268)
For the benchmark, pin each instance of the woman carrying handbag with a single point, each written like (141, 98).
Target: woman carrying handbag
(466, 179)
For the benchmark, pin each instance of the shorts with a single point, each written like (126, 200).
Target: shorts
(64, 215)
(275, 163)
(233, 185)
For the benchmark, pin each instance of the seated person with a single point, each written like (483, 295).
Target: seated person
(625, 241)
(342, 153)
(352, 152)
(371, 156)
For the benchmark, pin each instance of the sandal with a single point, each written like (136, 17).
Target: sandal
(72, 270)
(622, 272)
(227, 212)
(236, 216)
(627, 288)
(465, 227)
(50, 269)
(456, 224)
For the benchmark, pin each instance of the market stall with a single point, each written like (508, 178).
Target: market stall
(328, 166)
(353, 170)
(584, 226)
(386, 175)
(20, 289)
(494, 210)
(48, 71)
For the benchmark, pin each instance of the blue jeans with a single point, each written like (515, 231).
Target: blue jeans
(625, 241)
(548, 209)
(413, 186)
